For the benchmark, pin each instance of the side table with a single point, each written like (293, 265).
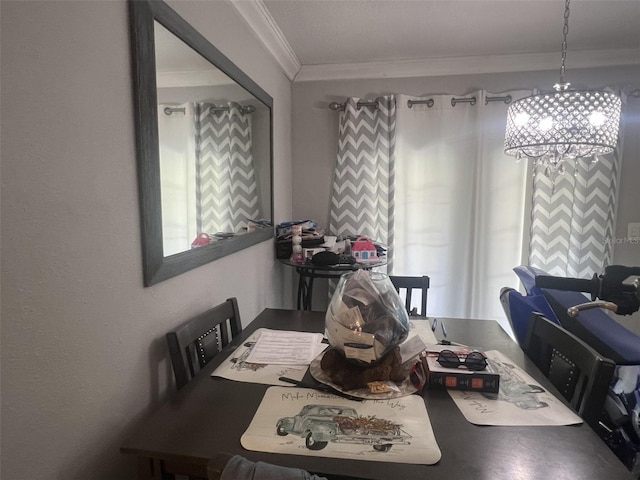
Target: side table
(308, 272)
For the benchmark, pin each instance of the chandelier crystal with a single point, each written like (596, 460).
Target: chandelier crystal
(566, 124)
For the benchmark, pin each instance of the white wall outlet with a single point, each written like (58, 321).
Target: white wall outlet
(633, 230)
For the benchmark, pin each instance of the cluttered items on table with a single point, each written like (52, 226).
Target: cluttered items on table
(304, 242)
(311, 236)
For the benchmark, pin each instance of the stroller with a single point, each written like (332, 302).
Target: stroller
(561, 301)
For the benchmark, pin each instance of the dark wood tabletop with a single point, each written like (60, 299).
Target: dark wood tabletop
(209, 416)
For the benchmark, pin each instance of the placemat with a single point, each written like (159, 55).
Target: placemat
(521, 400)
(307, 422)
(236, 368)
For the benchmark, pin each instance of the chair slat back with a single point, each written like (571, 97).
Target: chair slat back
(196, 342)
(407, 285)
(578, 371)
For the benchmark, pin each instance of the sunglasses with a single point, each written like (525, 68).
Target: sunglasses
(473, 361)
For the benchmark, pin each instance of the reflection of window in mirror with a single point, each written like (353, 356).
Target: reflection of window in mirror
(214, 148)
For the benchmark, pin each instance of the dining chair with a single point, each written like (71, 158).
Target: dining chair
(193, 344)
(578, 371)
(407, 285)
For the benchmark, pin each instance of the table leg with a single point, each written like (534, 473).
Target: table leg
(301, 289)
(307, 303)
(305, 289)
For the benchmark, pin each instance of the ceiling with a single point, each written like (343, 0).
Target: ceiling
(321, 39)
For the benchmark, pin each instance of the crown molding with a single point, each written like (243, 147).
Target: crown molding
(467, 65)
(259, 19)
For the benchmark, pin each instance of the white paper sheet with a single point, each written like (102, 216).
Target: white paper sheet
(236, 367)
(422, 327)
(282, 347)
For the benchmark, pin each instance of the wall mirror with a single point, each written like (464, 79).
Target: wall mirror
(204, 147)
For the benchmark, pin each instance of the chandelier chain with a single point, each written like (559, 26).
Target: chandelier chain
(565, 32)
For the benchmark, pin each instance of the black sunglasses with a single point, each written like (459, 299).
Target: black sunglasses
(473, 361)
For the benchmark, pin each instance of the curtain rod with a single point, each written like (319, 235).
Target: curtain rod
(242, 108)
(170, 110)
(340, 106)
(428, 102)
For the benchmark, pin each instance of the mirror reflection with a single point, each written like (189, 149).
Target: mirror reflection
(214, 149)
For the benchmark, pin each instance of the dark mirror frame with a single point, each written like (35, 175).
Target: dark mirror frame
(156, 266)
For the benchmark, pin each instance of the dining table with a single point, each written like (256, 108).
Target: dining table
(209, 415)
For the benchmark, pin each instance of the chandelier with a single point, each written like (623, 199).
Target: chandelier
(551, 128)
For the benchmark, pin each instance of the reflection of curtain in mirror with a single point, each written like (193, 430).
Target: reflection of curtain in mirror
(227, 194)
(176, 130)
(459, 203)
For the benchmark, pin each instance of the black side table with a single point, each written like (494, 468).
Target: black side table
(307, 272)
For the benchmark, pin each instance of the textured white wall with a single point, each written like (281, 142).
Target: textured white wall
(83, 353)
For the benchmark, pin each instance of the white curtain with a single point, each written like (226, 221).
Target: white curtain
(176, 131)
(459, 203)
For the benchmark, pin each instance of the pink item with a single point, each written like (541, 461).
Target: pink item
(364, 250)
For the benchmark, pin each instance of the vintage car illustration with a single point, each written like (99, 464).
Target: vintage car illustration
(321, 424)
(239, 362)
(514, 389)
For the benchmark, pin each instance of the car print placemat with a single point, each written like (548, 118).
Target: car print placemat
(521, 400)
(307, 422)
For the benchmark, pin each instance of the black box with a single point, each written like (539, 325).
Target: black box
(486, 380)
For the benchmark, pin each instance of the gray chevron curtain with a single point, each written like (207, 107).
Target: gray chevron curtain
(227, 194)
(363, 184)
(573, 219)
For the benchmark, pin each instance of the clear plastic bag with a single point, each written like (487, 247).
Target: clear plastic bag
(366, 317)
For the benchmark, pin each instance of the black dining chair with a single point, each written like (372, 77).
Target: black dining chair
(407, 285)
(193, 344)
(578, 371)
